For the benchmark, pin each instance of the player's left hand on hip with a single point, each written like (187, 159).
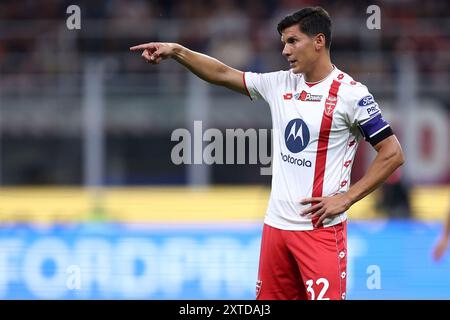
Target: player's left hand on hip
(325, 207)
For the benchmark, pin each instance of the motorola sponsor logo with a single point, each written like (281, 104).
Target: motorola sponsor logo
(297, 161)
(296, 137)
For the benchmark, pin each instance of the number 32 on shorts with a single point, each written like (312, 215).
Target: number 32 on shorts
(321, 284)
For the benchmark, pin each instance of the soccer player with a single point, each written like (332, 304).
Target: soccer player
(319, 115)
(442, 245)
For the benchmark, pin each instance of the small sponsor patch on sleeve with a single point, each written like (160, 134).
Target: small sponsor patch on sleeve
(372, 109)
(366, 101)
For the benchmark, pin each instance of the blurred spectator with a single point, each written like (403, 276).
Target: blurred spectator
(230, 41)
(394, 197)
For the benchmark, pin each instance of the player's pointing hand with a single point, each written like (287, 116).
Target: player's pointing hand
(155, 52)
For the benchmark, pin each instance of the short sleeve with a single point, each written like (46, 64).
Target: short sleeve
(260, 85)
(366, 115)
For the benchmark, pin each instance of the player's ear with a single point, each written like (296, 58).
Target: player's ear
(319, 41)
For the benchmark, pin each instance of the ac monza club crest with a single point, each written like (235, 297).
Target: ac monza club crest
(258, 287)
(330, 104)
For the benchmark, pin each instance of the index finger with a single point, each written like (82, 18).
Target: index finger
(142, 46)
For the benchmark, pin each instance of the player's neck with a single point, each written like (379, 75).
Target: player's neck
(319, 72)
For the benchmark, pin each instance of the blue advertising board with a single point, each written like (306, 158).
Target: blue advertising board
(386, 260)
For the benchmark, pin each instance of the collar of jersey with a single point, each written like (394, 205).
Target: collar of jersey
(312, 84)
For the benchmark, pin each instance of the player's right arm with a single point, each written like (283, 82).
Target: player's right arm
(442, 245)
(205, 67)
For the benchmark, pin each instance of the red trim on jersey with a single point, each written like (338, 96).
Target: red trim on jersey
(312, 84)
(245, 86)
(322, 147)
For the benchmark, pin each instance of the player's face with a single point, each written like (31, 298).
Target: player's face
(299, 49)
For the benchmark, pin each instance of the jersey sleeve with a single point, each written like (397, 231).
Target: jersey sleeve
(260, 85)
(366, 115)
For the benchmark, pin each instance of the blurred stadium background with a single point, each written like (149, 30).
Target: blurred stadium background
(91, 205)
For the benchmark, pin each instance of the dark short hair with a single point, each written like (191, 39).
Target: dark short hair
(311, 21)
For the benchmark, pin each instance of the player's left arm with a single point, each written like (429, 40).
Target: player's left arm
(389, 157)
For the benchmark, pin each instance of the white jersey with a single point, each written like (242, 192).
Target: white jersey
(316, 131)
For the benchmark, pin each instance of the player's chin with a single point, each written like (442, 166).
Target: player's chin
(296, 69)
